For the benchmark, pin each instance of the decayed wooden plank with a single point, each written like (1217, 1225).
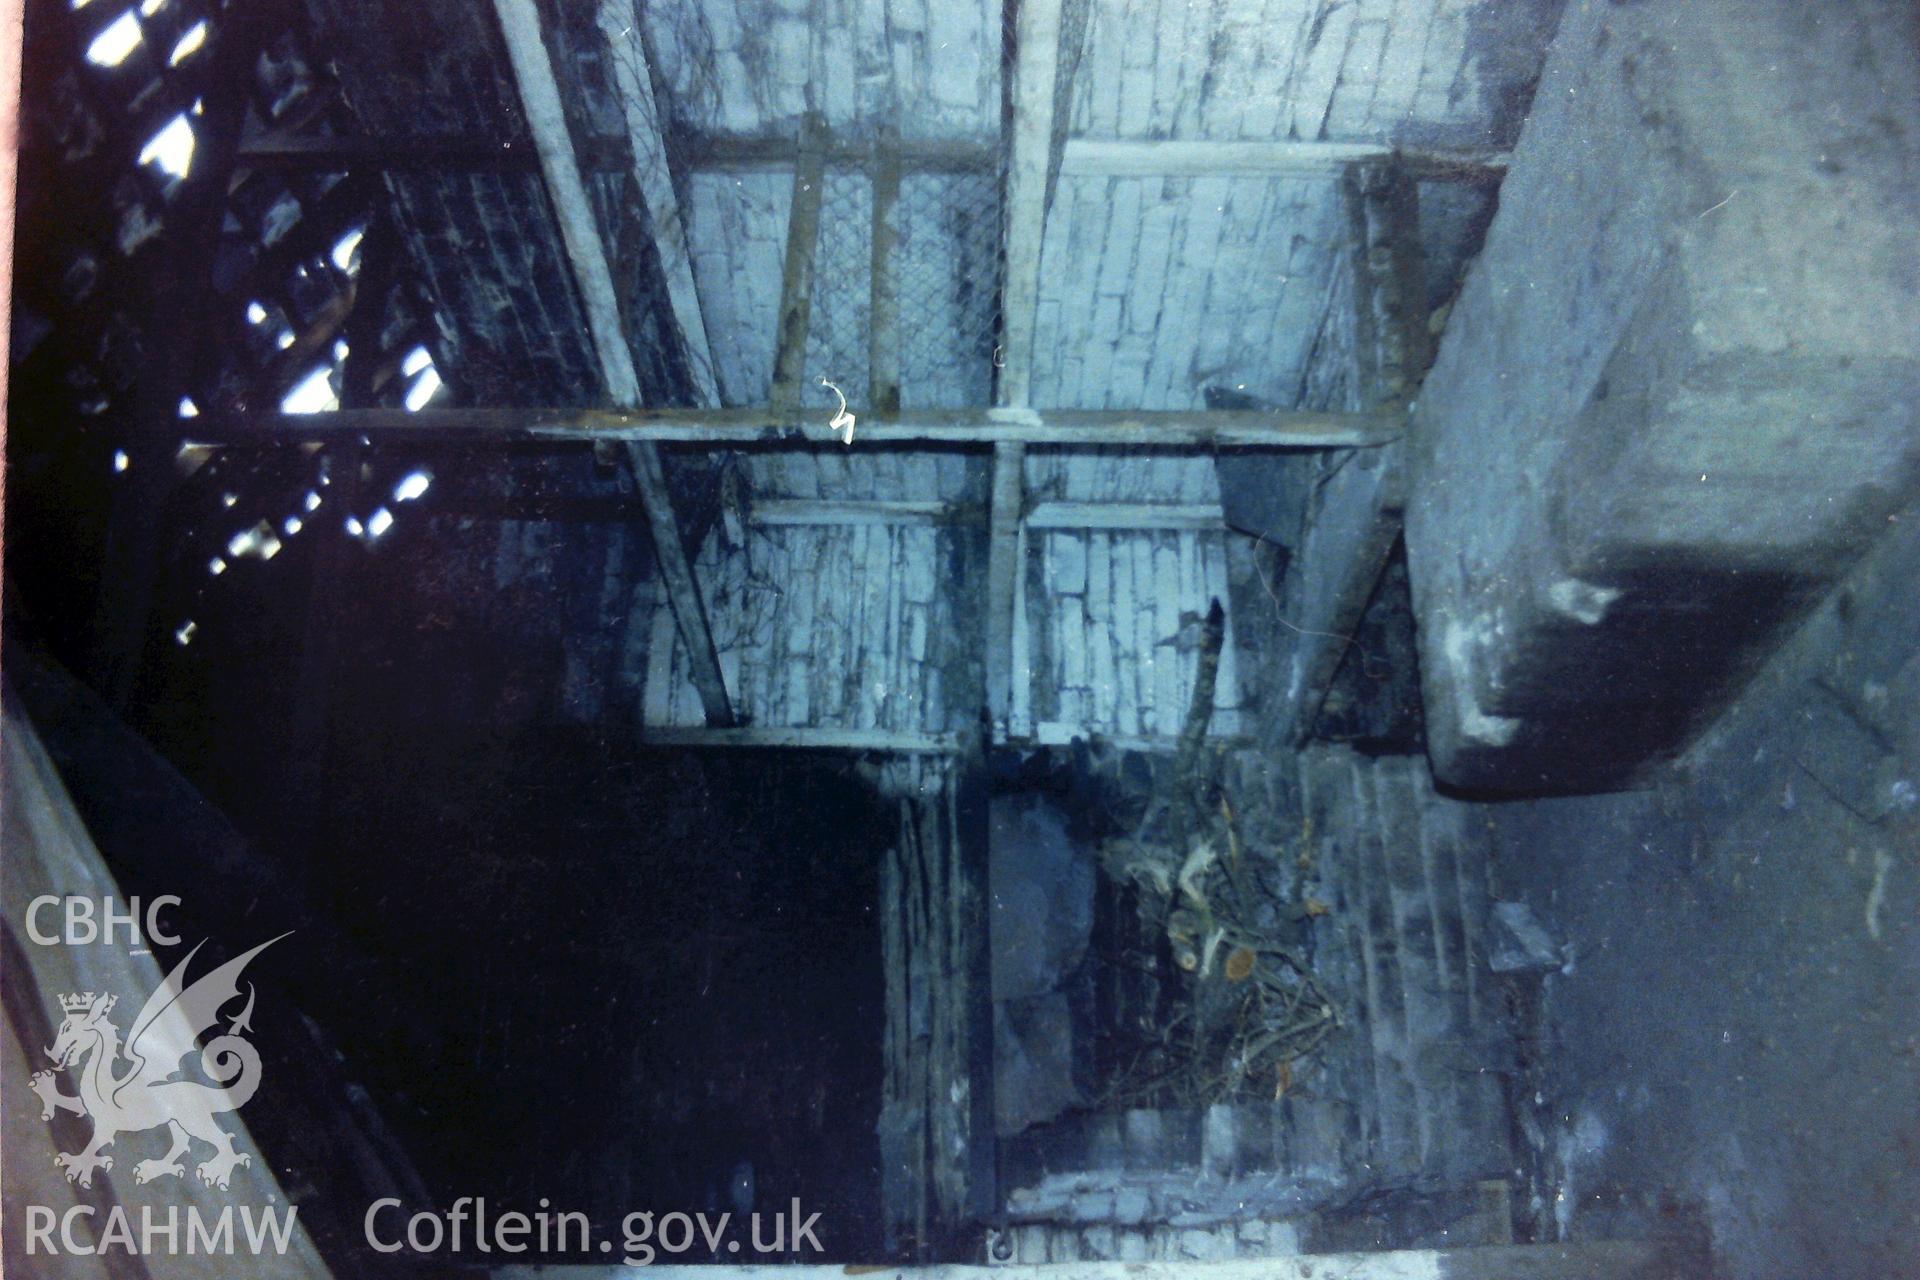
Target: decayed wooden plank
(586, 253)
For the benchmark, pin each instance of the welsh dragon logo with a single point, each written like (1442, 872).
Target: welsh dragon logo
(148, 1093)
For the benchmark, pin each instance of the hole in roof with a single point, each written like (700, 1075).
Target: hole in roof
(216, 566)
(312, 394)
(424, 388)
(354, 526)
(229, 499)
(171, 148)
(260, 543)
(379, 522)
(313, 500)
(345, 249)
(293, 525)
(411, 486)
(120, 460)
(256, 313)
(150, 7)
(120, 38)
(184, 635)
(286, 339)
(417, 359)
(188, 409)
(340, 349)
(189, 43)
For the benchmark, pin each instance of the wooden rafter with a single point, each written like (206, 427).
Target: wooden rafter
(796, 282)
(633, 76)
(586, 252)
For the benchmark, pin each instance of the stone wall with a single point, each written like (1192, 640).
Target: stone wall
(1665, 414)
(1740, 1025)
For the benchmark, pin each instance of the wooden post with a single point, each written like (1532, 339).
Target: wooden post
(1036, 90)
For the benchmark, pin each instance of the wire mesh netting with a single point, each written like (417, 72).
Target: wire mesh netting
(840, 327)
(948, 269)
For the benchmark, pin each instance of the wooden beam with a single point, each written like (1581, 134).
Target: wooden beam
(812, 511)
(1580, 1260)
(1095, 157)
(586, 252)
(883, 329)
(1355, 516)
(805, 738)
(1030, 147)
(1004, 577)
(734, 154)
(1182, 430)
(1036, 73)
(284, 152)
(796, 282)
(633, 76)
(1125, 515)
(1084, 157)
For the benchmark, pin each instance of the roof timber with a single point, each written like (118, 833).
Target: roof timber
(587, 254)
(633, 73)
(1095, 157)
(1176, 429)
(1036, 89)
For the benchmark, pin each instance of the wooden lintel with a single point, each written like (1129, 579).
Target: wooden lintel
(1095, 157)
(1181, 430)
(796, 283)
(586, 253)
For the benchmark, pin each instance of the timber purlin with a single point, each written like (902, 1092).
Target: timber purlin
(800, 428)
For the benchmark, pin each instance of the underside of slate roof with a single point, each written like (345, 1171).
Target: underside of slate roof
(1202, 634)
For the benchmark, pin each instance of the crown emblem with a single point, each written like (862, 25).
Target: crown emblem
(76, 1004)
